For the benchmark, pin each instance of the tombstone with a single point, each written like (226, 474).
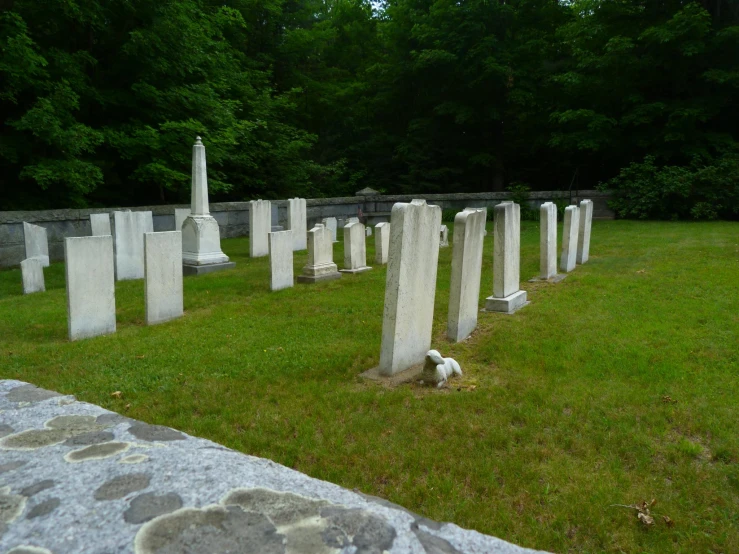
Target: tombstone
(320, 266)
(586, 222)
(484, 229)
(340, 224)
(332, 225)
(36, 242)
(201, 236)
(355, 249)
(280, 260)
(260, 226)
(382, 242)
(90, 286)
(569, 239)
(100, 225)
(547, 241)
(163, 282)
(275, 225)
(443, 236)
(507, 297)
(129, 243)
(351, 220)
(297, 223)
(180, 215)
(32, 273)
(368, 231)
(410, 286)
(464, 292)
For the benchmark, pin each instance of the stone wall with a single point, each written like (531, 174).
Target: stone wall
(233, 217)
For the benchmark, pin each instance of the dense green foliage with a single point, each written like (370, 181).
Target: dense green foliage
(100, 99)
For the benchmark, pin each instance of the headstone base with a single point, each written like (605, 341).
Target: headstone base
(358, 270)
(310, 279)
(556, 279)
(189, 269)
(409, 375)
(506, 305)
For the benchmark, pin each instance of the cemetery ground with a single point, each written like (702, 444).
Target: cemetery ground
(616, 386)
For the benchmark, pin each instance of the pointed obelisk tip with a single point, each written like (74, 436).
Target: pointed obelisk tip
(198, 141)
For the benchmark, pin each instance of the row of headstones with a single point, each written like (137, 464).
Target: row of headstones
(412, 266)
(90, 278)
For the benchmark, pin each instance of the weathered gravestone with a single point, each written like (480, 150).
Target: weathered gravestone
(368, 231)
(260, 225)
(32, 273)
(320, 266)
(297, 222)
(36, 243)
(464, 291)
(163, 283)
(180, 215)
(410, 288)
(129, 243)
(507, 297)
(443, 236)
(548, 241)
(586, 222)
(79, 479)
(100, 225)
(355, 249)
(332, 225)
(569, 239)
(201, 236)
(90, 286)
(280, 260)
(382, 242)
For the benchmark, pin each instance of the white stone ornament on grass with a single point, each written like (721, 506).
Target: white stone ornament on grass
(201, 236)
(355, 249)
(507, 297)
(410, 289)
(569, 239)
(280, 260)
(260, 225)
(180, 215)
(90, 286)
(32, 273)
(443, 236)
(129, 243)
(464, 290)
(437, 370)
(100, 225)
(36, 243)
(163, 276)
(586, 222)
(548, 241)
(332, 225)
(382, 242)
(320, 266)
(297, 222)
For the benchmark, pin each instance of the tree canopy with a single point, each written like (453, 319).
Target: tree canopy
(101, 99)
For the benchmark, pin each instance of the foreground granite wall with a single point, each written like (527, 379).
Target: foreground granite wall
(76, 478)
(233, 217)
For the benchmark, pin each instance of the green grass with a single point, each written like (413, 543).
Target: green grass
(618, 385)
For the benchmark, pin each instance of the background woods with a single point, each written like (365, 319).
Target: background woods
(101, 99)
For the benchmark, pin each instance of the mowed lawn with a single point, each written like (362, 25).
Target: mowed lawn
(619, 384)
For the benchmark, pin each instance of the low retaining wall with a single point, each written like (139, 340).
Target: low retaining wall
(233, 217)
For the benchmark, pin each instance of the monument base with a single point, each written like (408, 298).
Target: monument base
(556, 279)
(409, 375)
(358, 270)
(189, 269)
(310, 279)
(506, 305)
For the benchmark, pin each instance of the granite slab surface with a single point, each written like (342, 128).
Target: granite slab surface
(75, 478)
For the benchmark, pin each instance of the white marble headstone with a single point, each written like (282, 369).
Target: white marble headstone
(297, 222)
(163, 282)
(260, 225)
(547, 240)
(280, 260)
(36, 243)
(129, 243)
(569, 239)
(382, 242)
(586, 222)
